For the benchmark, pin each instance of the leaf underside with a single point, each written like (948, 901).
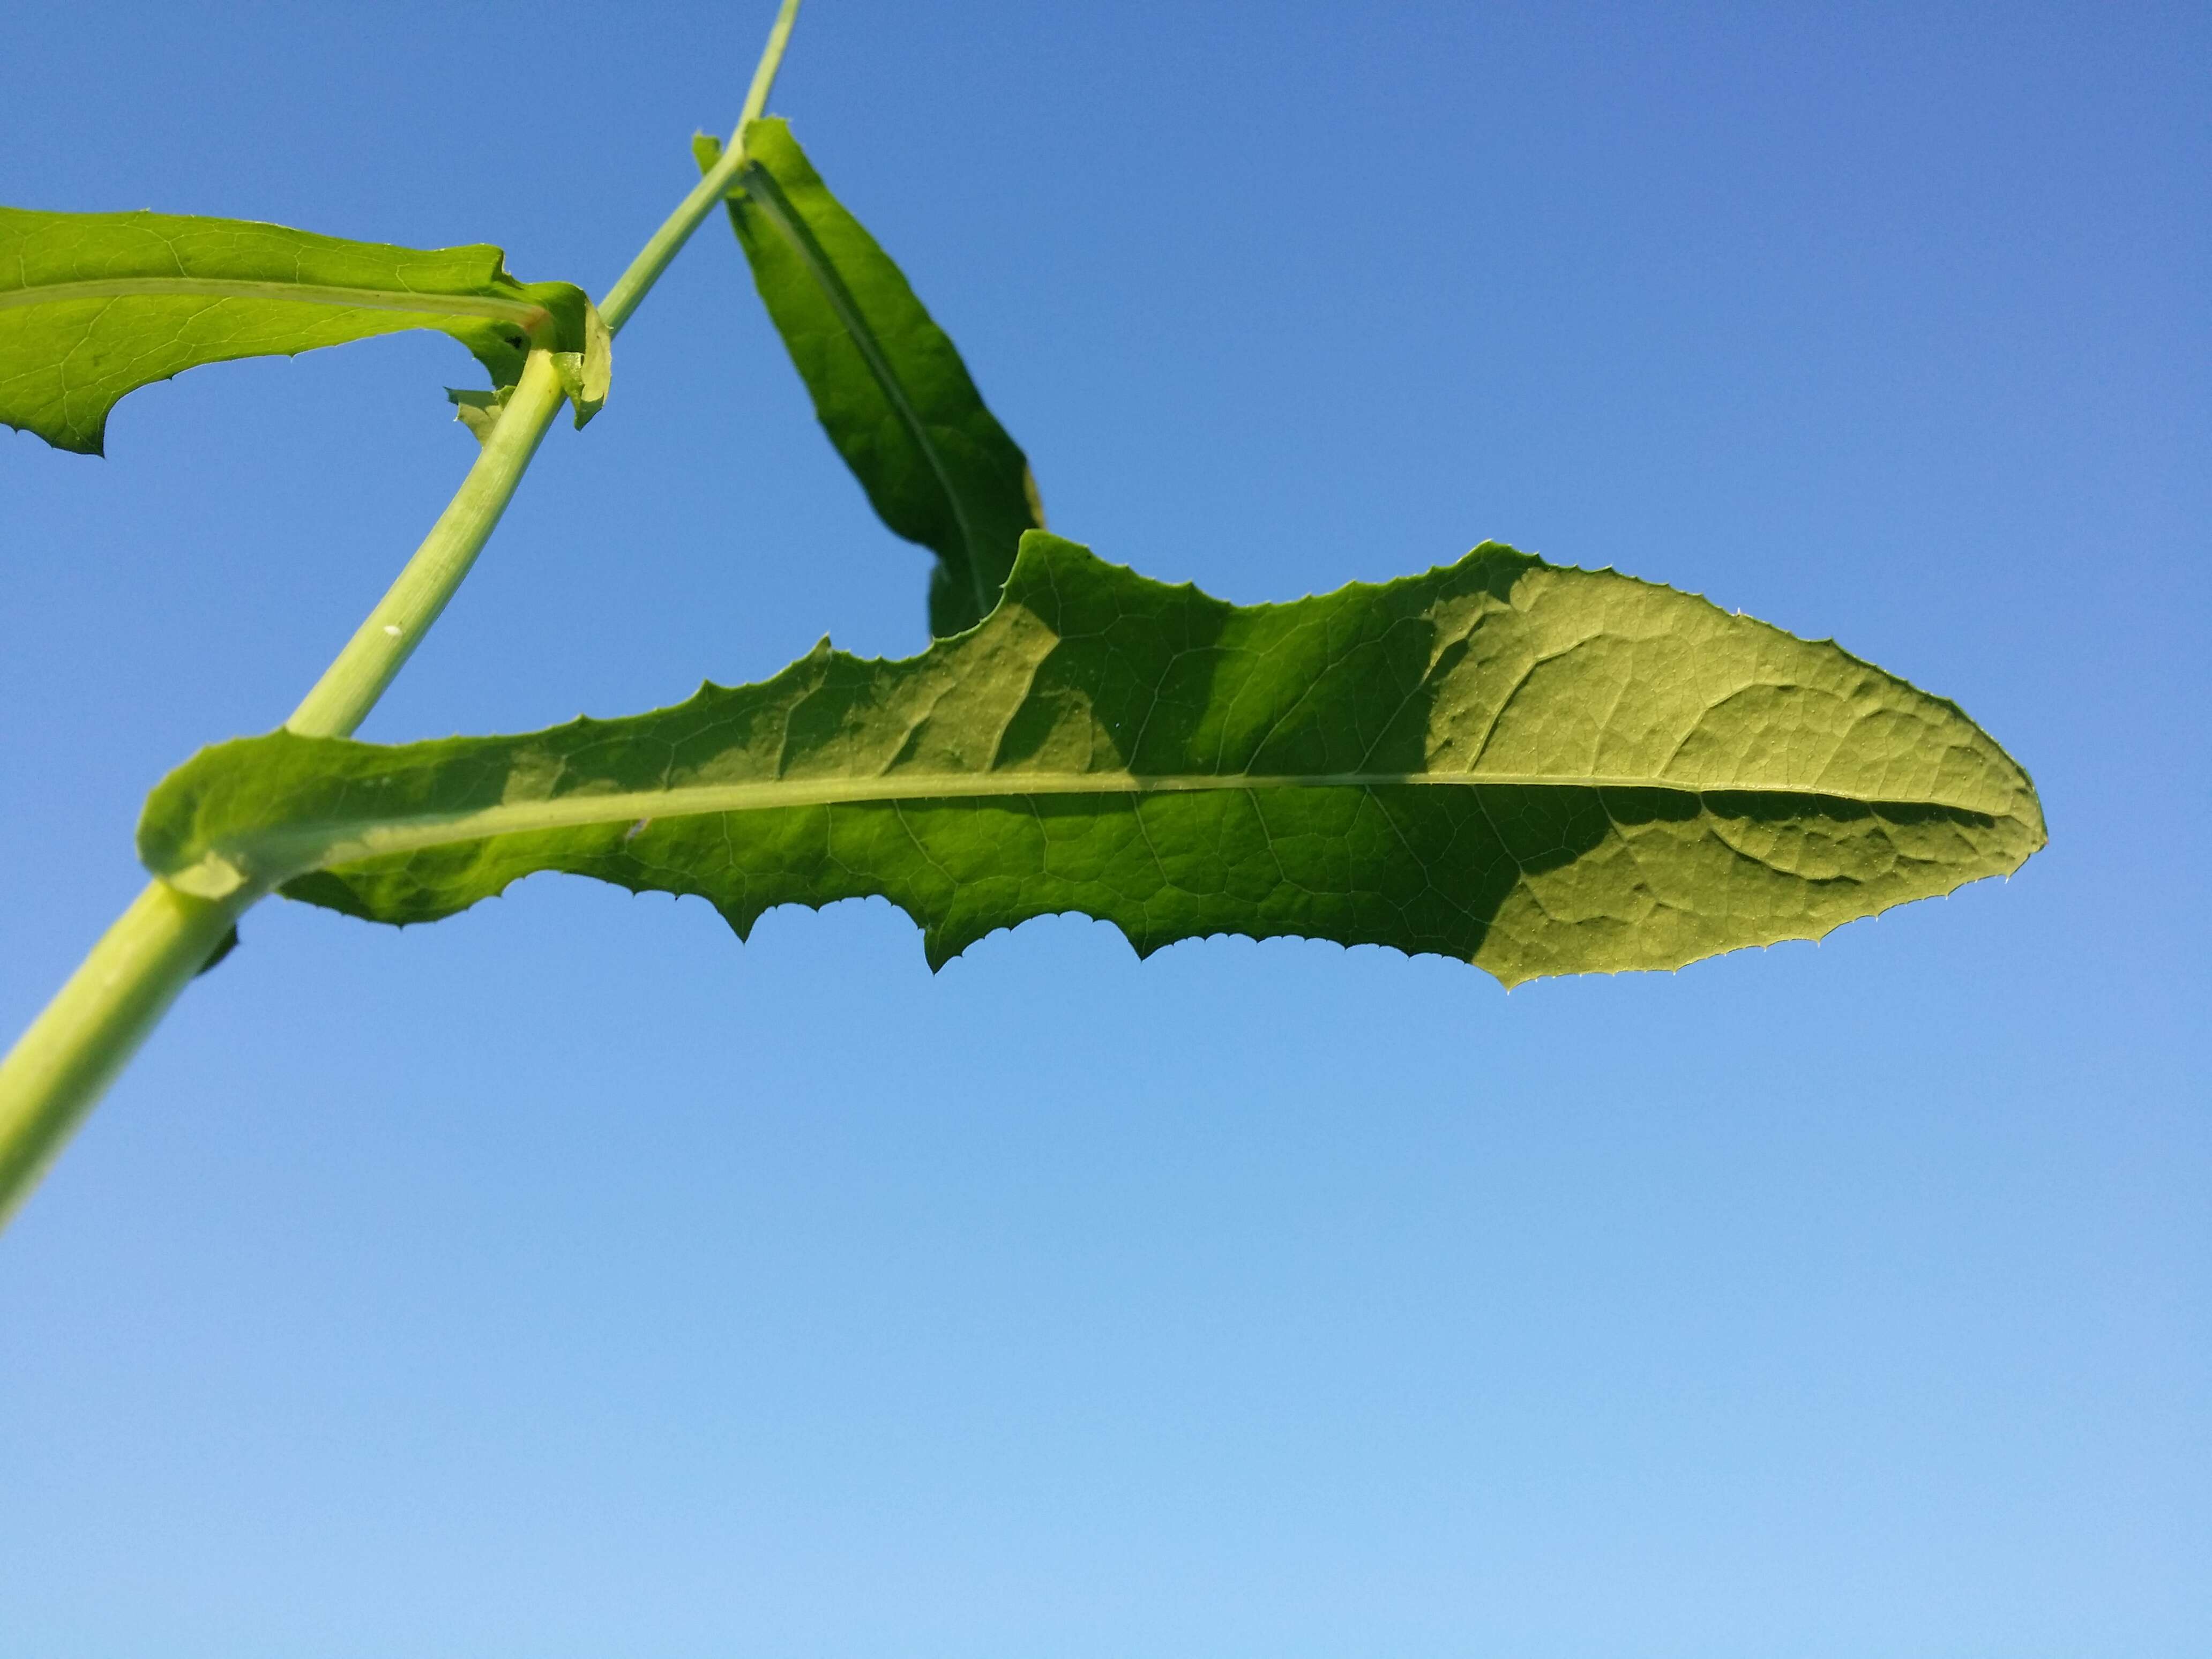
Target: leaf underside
(887, 384)
(1541, 770)
(93, 306)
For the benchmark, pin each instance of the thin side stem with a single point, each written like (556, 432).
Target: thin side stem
(60, 1068)
(652, 259)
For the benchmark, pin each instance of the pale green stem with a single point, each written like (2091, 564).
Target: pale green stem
(58, 1070)
(55, 1075)
(621, 299)
(380, 646)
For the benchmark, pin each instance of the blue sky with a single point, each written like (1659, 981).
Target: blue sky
(568, 1279)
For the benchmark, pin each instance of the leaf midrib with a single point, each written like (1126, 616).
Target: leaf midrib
(762, 186)
(277, 855)
(534, 320)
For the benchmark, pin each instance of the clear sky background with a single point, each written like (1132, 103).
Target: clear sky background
(568, 1280)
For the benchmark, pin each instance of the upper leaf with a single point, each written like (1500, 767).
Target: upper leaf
(94, 305)
(1544, 770)
(889, 389)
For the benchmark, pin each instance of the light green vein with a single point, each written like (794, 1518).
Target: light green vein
(763, 190)
(534, 320)
(275, 856)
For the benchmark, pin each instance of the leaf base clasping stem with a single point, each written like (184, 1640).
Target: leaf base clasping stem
(58, 1070)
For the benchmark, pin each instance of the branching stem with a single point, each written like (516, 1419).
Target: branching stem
(652, 259)
(57, 1071)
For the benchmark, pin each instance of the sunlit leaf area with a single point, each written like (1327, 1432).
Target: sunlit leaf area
(1393, 831)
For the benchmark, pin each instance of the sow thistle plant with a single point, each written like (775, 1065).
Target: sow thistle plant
(1536, 768)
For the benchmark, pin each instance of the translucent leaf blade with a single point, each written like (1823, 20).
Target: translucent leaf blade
(888, 386)
(1539, 770)
(93, 306)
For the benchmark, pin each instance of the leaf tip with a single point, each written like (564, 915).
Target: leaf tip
(224, 946)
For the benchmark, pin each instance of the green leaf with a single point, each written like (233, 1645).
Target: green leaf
(889, 389)
(1542, 770)
(93, 306)
(479, 412)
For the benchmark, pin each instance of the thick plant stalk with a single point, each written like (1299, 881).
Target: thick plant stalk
(373, 658)
(56, 1072)
(58, 1069)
